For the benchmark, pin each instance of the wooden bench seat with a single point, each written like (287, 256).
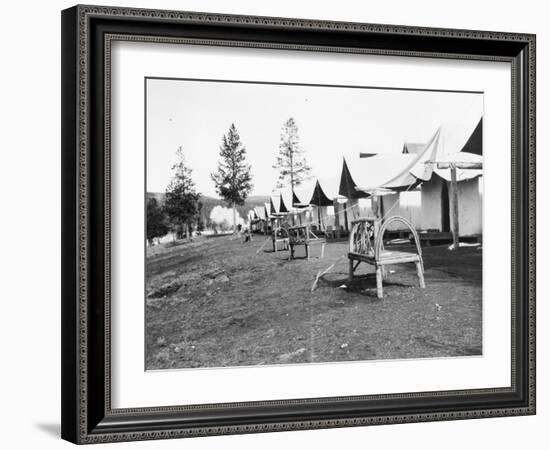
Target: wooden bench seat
(279, 236)
(366, 244)
(303, 235)
(386, 257)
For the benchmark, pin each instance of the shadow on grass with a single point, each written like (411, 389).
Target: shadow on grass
(362, 284)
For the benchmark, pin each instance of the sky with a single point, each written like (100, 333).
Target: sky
(333, 123)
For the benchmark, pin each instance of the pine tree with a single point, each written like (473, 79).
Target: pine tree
(291, 161)
(156, 220)
(182, 200)
(233, 178)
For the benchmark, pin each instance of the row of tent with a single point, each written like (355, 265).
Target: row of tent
(413, 183)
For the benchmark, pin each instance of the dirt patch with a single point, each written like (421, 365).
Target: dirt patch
(164, 290)
(217, 303)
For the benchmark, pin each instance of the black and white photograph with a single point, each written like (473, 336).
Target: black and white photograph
(299, 223)
(266, 225)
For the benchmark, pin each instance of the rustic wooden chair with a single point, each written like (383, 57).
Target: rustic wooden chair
(366, 244)
(303, 235)
(278, 236)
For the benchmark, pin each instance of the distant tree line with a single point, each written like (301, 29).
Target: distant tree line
(183, 212)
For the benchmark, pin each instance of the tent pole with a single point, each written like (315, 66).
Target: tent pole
(346, 216)
(454, 207)
(336, 218)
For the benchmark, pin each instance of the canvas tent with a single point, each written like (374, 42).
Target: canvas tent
(286, 204)
(260, 212)
(460, 148)
(413, 147)
(277, 206)
(301, 201)
(421, 177)
(303, 193)
(324, 199)
(260, 219)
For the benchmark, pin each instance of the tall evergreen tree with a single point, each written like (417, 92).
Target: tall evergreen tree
(182, 201)
(156, 221)
(233, 178)
(291, 161)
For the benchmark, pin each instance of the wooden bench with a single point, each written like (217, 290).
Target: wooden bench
(279, 236)
(303, 235)
(366, 244)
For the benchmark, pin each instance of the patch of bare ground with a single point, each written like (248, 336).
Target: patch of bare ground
(216, 302)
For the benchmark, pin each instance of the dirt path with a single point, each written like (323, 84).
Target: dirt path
(215, 302)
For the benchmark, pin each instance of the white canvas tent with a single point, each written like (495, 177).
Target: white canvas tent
(324, 199)
(429, 168)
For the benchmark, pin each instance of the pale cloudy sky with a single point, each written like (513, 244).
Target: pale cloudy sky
(333, 122)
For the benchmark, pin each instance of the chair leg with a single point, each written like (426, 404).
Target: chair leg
(420, 272)
(379, 288)
(307, 251)
(350, 273)
(322, 250)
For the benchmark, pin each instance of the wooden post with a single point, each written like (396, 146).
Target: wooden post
(375, 206)
(379, 282)
(346, 216)
(453, 192)
(420, 273)
(336, 219)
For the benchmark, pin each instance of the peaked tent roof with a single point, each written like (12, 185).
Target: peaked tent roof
(347, 183)
(259, 211)
(475, 141)
(275, 204)
(325, 191)
(413, 147)
(457, 135)
(461, 142)
(303, 192)
(396, 171)
(319, 197)
(406, 170)
(285, 202)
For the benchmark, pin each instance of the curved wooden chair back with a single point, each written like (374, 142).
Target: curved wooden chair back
(366, 244)
(379, 244)
(362, 237)
(298, 234)
(280, 233)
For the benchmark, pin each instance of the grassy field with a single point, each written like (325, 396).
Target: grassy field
(217, 302)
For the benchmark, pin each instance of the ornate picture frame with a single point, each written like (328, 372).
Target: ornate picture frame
(88, 33)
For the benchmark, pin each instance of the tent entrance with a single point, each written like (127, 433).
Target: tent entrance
(445, 210)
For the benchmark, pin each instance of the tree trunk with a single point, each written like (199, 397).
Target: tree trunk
(234, 219)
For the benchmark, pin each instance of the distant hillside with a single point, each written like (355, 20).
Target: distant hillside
(208, 203)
